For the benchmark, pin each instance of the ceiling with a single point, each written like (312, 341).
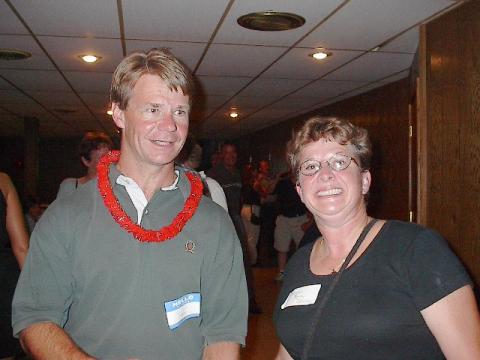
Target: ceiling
(267, 76)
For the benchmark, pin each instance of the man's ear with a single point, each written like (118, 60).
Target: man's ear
(118, 116)
(85, 161)
(366, 181)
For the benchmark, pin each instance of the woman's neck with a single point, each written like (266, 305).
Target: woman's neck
(340, 238)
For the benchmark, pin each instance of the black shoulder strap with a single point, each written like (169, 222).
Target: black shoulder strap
(321, 305)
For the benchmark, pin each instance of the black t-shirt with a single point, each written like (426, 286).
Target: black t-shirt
(374, 311)
(288, 200)
(231, 184)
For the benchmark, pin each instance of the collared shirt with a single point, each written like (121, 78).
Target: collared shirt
(136, 194)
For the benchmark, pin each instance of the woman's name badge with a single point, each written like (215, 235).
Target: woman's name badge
(184, 308)
(305, 295)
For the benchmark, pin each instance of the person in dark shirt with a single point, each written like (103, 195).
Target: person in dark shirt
(229, 178)
(292, 215)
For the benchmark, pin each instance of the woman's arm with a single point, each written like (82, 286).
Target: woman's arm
(455, 322)
(16, 228)
(283, 354)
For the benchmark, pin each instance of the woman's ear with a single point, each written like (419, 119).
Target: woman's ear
(118, 116)
(299, 190)
(366, 181)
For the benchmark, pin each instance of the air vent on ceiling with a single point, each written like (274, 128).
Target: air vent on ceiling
(270, 21)
(13, 54)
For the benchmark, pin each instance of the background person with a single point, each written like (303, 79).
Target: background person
(404, 295)
(292, 215)
(229, 178)
(137, 263)
(190, 157)
(250, 211)
(93, 146)
(13, 251)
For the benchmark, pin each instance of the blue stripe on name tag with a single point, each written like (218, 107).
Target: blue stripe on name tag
(180, 310)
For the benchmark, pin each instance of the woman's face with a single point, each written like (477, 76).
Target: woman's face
(332, 195)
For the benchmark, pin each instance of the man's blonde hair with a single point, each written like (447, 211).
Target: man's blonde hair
(158, 62)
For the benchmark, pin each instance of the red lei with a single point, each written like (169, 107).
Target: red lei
(111, 202)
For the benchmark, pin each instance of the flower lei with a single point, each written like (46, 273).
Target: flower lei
(111, 202)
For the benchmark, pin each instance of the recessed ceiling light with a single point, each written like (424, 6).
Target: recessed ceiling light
(270, 21)
(13, 54)
(320, 54)
(233, 113)
(89, 58)
(110, 112)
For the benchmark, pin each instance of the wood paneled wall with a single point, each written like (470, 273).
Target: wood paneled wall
(384, 113)
(451, 122)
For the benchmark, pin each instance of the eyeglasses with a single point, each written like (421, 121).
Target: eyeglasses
(337, 162)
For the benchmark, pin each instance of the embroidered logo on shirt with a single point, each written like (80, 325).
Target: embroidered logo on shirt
(180, 310)
(190, 246)
(305, 295)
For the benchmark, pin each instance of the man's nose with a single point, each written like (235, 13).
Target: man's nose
(168, 122)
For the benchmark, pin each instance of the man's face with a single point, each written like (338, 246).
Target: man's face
(229, 156)
(95, 156)
(155, 122)
(264, 166)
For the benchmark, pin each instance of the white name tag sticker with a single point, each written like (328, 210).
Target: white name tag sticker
(305, 295)
(180, 310)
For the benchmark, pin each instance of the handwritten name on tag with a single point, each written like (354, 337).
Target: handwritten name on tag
(305, 295)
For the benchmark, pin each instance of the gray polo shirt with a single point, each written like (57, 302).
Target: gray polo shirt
(119, 298)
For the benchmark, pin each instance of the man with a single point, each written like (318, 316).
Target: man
(149, 269)
(228, 176)
(292, 215)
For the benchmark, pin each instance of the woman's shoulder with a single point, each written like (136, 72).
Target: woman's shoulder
(402, 237)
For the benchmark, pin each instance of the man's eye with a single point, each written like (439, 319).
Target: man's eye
(152, 110)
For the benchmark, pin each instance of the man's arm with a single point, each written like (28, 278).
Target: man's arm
(222, 351)
(49, 341)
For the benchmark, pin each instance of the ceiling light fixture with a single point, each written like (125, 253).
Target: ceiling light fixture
(320, 54)
(89, 58)
(270, 21)
(13, 54)
(233, 113)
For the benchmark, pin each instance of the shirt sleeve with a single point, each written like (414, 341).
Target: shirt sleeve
(433, 270)
(44, 289)
(224, 290)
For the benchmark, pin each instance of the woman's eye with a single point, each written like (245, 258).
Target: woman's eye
(180, 112)
(152, 110)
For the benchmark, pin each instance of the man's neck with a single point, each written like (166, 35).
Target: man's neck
(149, 178)
(229, 168)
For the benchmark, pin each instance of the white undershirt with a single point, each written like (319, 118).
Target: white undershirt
(136, 193)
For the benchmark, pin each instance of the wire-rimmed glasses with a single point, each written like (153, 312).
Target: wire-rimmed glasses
(337, 162)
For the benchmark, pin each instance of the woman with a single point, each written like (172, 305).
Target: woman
(13, 251)
(93, 146)
(404, 295)
(13, 231)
